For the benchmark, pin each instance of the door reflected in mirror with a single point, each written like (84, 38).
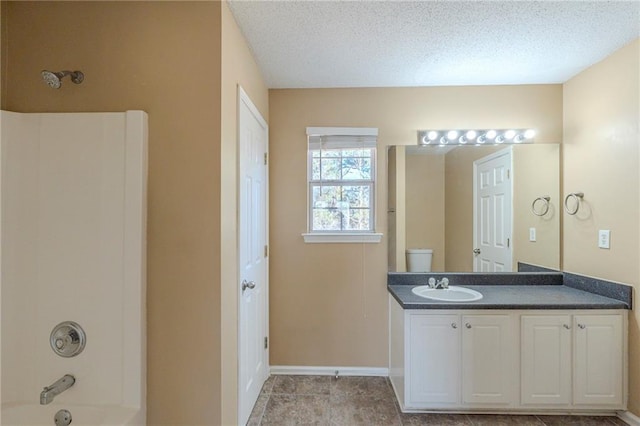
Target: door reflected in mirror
(473, 208)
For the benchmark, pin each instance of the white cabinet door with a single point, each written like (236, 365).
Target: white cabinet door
(598, 363)
(433, 360)
(569, 361)
(546, 359)
(488, 367)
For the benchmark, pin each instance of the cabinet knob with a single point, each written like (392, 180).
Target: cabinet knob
(454, 325)
(566, 326)
(467, 325)
(581, 326)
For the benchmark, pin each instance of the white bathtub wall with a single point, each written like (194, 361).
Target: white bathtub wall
(19, 243)
(73, 197)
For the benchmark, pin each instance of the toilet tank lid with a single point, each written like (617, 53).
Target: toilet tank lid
(426, 251)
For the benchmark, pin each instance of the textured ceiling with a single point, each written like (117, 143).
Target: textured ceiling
(431, 43)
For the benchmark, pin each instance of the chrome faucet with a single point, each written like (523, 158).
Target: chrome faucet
(443, 283)
(61, 385)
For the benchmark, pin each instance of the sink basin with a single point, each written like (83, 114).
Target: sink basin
(451, 294)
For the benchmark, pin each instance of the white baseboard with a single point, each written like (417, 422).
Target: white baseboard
(629, 417)
(295, 370)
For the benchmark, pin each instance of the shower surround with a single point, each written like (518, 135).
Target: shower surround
(73, 231)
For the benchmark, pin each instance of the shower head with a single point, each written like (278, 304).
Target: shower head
(54, 79)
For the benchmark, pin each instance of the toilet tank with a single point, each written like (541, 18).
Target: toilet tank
(419, 260)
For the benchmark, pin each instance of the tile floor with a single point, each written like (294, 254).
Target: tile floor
(370, 401)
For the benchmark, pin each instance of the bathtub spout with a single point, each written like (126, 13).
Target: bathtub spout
(61, 385)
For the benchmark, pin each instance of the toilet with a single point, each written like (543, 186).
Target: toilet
(419, 260)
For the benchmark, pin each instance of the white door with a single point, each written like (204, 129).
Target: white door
(433, 361)
(598, 359)
(488, 367)
(546, 359)
(253, 266)
(492, 213)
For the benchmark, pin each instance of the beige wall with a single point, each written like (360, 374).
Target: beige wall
(238, 68)
(425, 215)
(536, 173)
(459, 205)
(601, 159)
(329, 301)
(395, 208)
(163, 58)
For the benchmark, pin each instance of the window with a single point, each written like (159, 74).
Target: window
(341, 173)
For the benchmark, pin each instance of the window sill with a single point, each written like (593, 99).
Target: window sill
(342, 238)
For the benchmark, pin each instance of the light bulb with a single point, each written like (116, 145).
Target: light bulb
(509, 134)
(518, 138)
(432, 135)
(444, 141)
(452, 134)
(471, 135)
(424, 140)
(529, 133)
(482, 139)
(500, 139)
(491, 134)
(462, 140)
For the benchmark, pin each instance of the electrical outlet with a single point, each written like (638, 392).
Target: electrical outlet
(532, 234)
(604, 236)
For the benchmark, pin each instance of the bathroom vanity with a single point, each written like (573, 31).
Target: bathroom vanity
(521, 348)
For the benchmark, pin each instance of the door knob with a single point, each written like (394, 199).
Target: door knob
(248, 285)
(476, 251)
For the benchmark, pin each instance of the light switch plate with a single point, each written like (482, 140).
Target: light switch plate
(604, 236)
(532, 234)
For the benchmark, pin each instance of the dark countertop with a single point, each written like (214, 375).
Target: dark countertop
(512, 297)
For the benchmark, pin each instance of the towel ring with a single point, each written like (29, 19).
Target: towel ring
(545, 207)
(577, 196)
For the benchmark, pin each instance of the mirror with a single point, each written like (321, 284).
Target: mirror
(453, 200)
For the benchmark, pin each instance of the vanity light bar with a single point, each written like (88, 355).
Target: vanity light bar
(475, 137)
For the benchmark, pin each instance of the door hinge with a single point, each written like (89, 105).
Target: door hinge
(508, 242)
(508, 173)
(266, 343)
(266, 251)
(266, 158)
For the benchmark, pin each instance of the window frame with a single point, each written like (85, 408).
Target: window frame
(342, 236)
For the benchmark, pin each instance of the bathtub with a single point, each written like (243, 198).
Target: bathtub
(14, 414)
